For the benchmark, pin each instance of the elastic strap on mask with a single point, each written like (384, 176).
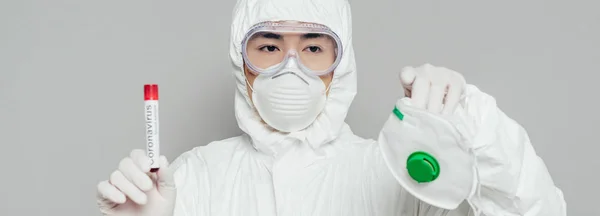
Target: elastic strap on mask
(474, 196)
(329, 86)
(248, 83)
(477, 187)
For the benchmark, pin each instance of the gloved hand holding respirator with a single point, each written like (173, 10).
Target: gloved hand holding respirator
(437, 89)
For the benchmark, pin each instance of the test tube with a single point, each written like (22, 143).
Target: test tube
(152, 128)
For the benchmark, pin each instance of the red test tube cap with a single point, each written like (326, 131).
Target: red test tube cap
(151, 92)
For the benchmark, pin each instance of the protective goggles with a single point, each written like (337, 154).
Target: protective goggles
(269, 46)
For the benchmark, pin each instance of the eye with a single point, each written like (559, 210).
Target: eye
(269, 48)
(313, 49)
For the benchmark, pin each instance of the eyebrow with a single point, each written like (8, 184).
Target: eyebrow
(271, 36)
(275, 36)
(312, 35)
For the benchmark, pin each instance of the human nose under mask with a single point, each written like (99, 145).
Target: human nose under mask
(289, 100)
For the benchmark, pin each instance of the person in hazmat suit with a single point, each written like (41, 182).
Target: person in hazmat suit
(446, 148)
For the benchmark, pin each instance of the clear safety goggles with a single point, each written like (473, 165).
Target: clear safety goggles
(268, 47)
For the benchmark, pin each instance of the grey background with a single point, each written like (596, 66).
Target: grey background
(71, 73)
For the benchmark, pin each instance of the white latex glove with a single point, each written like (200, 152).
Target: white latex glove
(133, 190)
(437, 89)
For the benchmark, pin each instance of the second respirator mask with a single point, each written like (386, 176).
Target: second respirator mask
(289, 58)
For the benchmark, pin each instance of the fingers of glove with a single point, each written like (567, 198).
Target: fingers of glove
(420, 91)
(452, 99)
(110, 193)
(140, 159)
(129, 189)
(166, 178)
(436, 98)
(407, 76)
(134, 174)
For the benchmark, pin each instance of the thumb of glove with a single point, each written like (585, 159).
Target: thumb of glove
(407, 76)
(166, 180)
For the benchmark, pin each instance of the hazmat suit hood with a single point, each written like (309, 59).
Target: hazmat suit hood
(334, 14)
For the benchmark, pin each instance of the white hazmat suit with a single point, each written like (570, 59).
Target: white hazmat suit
(327, 170)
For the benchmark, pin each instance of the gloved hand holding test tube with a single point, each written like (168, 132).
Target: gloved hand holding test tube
(143, 183)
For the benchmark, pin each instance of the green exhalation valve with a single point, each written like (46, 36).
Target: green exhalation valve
(422, 167)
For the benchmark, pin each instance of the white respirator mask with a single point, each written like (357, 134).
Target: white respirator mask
(289, 100)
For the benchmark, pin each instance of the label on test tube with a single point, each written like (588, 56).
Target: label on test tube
(151, 113)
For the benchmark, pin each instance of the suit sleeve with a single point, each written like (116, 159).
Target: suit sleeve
(514, 180)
